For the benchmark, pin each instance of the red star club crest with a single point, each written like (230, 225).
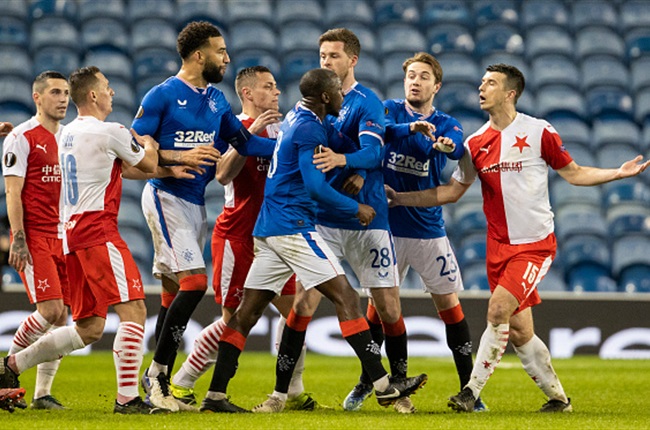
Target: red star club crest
(521, 143)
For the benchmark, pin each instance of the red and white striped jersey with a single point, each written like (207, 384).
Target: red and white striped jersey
(512, 165)
(91, 154)
(30, 152)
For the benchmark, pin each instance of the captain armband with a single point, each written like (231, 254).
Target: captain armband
(239, 138)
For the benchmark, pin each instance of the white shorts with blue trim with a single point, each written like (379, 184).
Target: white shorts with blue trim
(278, 257)
(179, 231)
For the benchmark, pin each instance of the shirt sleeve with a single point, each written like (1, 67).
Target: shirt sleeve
(465, 172)
(553, 151)
(147, 119)
(15, 153)
(124, 146)
(454, 131)
(371, 138)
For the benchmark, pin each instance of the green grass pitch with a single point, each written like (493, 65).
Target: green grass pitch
(606, 394)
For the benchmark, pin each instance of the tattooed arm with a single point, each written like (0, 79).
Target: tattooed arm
(19, 255)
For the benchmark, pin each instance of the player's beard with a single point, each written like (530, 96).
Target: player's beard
(212, 73)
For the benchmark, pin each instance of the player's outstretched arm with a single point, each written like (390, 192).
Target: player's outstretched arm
(448, 193)
(199, 156)
(575, 174)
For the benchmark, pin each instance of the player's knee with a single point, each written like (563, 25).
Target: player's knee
(90, 334)
(498, 313)
(52, 311)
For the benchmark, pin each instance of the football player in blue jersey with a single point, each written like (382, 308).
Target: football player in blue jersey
(193, 122)
(414, 161)
(286, 242)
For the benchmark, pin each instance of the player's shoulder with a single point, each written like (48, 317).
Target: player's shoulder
(531, 121)
(394, 104)
(365, 93)
(22, 128)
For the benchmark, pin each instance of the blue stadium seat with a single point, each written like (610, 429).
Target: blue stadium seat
(15, 9)
(609, 101)
(541, 12)
(553, 69)
(583, 250)
(296, 63)
(635, 279)
(113, 64)
(640, 78)
(490, 12)
(472, 250)
(397, 37)
(563, 194)
(139, 243)
(390, 11)
(625, 220)
(64, 60)
(459, 68)
(395, 90)
(124, 95)
(637, 43)
(642, 106)
(443, 38)
(631, 191)
(290, 96)
(475, 278)
(153, 33)
(158, 62)
(603, 71)
(612, 155)
(635, 14)
(561, 99)
(147, 9)
(90, 9)
(527, 104)
(308, 10)
(15, 115)
(587, 279)
(130, 215)
(16, 93)
(392, 68)
(458, 98)
(506, 58)
(599, 41)
(471, 122)
(257, 10)
(121, 115)
(252, 34)
(548, 39)
(628, 251)
(298, 35)
(498, 38)
(250, 58)
(358, 11)
(588, 13)
(645, 139)
(617, 131)
(10, 276)
(14, 62)
(579, 219)
(368, 71)
(213, 11)
(104, 33)
(62, 8)
(469, 218)
(553, 281)
(132, 189)
(13, 32)
(54, 31)
(572, 131)
(367, 38)
(582, 155)
(440, 12)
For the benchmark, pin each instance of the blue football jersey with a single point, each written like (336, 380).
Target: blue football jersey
(180, 117)
(294, 185)
(411, 164)
(361, 119)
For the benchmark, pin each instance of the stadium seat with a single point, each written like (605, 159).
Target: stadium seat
(91, 9)
(475, 278)
(367, 38)
(130, 215)
(561, 99)
(124, 95)
(645, 138)
(471, 122)
(252, 34)
(395, 90)
(579, 219)
(153, 33)
(583, 250)
(392, 68)
(296, 63)
(635, 279)
(10, 276)
(490, 12)
(397, 37)
(472, 250)
(582, 155)
(640, 78)
(553, 281)
(147, 9)
(618, 131)
(637, 43)
(64, 60)
(609, 101)
(458, 98)
(563, 194)
(14, 62)
(552, 70)
(54, 32)
(358, 11)
(368, 71)
(154, 62)
(16, 9)
(588, 13)
(635, 14)
(541, 12)
(441, 12)
(548, 39)
(16, 92)
(114, 64)
(628, 251)
(14, 114)
(213, 11)
(628, 219)
(45, 8)
(132, 189)
(503, 57)
(603, 71)
(459, 68)
(631, 191)
(257, 10)
(572, 131)
(612, 155)
(296, 36)
(13, 32)
(498, 38)
(588, 279)
(444, 38)
(642, 106)
(390, 11)
(599, 41)
(121, 115)
(469, 218)
(308, 10)
(290, 96)
(139, 242)
(104, 33)
(250, 58)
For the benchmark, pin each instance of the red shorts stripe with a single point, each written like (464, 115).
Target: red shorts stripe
(47, 278)
(352, 327)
